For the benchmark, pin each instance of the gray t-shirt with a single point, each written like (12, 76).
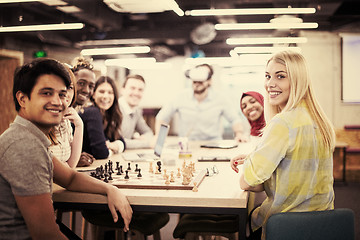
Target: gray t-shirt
(26, 170)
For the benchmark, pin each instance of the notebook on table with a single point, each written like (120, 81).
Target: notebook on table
(147, 156)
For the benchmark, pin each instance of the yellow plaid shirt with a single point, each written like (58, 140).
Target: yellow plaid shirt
(293, 165)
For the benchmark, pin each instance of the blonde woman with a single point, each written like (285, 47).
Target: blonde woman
(293, 162)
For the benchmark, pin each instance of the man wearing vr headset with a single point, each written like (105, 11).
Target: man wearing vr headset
(200, 110)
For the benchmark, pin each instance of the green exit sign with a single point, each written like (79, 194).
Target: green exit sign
(39, 54)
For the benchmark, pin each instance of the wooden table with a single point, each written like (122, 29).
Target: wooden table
(217, 194)
(341, 147)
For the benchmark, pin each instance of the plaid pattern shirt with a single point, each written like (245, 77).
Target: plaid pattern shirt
(63, 133)
(293, 165)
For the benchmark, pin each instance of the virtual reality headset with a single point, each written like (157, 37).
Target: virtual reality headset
(200, 73)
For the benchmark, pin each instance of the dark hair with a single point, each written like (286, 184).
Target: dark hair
(26, 76)
(112, 117)
(136, 76)
(211, 70)
(81, 63)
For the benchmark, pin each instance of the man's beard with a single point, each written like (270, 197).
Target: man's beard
(200, 91)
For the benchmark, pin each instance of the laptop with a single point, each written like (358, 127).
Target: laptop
(148, 156)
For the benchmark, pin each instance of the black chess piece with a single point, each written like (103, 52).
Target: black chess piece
(119, 169)
(136, 169)
(110, 178)
(117, 165)
(139, 173)
(159, 165)
(129, 168)
(127, 175)
(101, 171)
(106, 178)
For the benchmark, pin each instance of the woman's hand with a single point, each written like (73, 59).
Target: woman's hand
(85, 160)
(117, 201)
(73, 116)
(238, 160)
(113, 146)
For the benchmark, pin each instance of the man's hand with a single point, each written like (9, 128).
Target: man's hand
(118, 202)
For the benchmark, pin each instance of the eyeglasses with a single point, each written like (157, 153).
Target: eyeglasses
(211, 171)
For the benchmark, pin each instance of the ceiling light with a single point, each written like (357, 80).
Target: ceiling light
(249, 11)
(270, 40)
(54, 2)
(264, 49)
(120, 50)
(130, 62)
(68, 9)
(243, 60)
(45, 27)
(151, 66)
(133, 41)
(18, 1)
(253, 26)
(141, 6)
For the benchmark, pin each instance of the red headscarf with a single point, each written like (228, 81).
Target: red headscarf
(258, 124)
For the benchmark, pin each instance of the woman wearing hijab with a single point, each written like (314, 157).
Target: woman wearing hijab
(252, 105)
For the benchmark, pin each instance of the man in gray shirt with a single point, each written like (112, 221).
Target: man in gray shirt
(136, 132)
(27, 166)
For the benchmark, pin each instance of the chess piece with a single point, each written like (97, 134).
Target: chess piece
(101, 171)
(172, 179)
(139, 173)
(106, 178)
(178, 173)
(159, 166)
(110, 178)
(195, 188)
(117, 166)
(119, 170)
(136, 167)
(164, 173)
(127, 175)
(129, 168)
(167, 182)
(151, 170)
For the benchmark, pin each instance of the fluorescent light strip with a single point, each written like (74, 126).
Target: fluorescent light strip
(45, 27)
(243, 60)
(19, 1)
(270, 40)
(129, 61)
(137, 41)
(249, 11)
(252, 26)
(175, 7)
(120, 50)
(264, 49)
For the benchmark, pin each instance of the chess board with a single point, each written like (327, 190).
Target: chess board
(155, 180)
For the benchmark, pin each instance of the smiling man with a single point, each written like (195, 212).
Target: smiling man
(201, 110)
(134, 129)
(27, 165)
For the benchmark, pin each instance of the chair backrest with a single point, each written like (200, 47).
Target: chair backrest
(320, 225)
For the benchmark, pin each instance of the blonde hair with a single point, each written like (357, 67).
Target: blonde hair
(301, 89)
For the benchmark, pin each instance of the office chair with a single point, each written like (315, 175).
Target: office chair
(142, 224)
(320, 225)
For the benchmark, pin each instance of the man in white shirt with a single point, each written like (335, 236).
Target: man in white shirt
(200, 110)
(136, 132)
